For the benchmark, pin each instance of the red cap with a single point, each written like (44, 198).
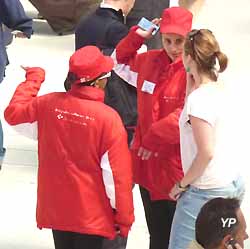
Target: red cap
(176, 20)
(88, 63)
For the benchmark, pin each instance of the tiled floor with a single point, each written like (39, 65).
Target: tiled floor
(18, 230)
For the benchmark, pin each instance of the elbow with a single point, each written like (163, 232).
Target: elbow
(8, 116)
(206, 156)
(209, 156)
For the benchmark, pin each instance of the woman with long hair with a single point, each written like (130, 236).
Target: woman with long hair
(209, 171)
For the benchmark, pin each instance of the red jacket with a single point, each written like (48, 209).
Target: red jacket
(85, 173)
(161, 87)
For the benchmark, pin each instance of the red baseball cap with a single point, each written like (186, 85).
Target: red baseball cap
(88, 63)
(176, 20)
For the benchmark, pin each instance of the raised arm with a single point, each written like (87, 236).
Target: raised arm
(23, 105)
(126, 57)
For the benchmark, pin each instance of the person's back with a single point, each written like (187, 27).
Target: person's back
(84, 177)
(80, 132)
(105, 28)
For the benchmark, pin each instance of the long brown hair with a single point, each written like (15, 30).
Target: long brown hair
(204, 49)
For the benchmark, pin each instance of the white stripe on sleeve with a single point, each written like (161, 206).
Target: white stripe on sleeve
(28, 130)
(124, 71)
(108, 179)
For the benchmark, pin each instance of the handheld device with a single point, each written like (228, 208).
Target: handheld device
(146, 25)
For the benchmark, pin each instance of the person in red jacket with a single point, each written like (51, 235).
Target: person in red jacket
(85, 173)
(160, 78)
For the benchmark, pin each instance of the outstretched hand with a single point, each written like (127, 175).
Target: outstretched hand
(19, 34)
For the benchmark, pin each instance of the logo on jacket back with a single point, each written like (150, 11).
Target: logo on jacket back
(75, 118)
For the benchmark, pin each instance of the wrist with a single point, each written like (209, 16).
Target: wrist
(181, 186)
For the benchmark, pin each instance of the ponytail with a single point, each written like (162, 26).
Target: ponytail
(223, 61)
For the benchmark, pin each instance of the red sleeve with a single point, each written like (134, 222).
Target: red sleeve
(126, 50)
(121, 165)
(118, 159)
(23, 105)
(166, 130)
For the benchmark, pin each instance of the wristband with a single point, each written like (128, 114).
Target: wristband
(178, 184)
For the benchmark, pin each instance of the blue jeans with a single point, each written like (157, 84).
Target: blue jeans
(188, 207)
(2, 149)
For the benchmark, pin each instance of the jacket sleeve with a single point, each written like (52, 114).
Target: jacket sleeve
(113, 36)
(23, 105)
(165, 130)
(126, 58)
(116, 34)
(13, 16)
(117, 176)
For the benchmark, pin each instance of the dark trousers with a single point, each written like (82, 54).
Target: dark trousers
(159, 216)
(70, 240)
(117, 243)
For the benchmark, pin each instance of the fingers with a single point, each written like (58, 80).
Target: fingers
(139, 154)
(145, 154)
(175, 193)
(19, 34)
(24, 68)
(237, 246)
(145, 34)
(156, 21)
(174, 197)
(117, 229)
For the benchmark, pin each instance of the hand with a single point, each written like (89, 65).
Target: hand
(236, 246)
(34, 73)
(175, 193)
(148, 34)
(145, 154)
(19, 34)
(117, 229)
(25, 68)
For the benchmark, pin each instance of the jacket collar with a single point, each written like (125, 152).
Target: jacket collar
(107, 6)
(110, 12)
(87, 92)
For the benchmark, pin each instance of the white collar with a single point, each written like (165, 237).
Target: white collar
(108, 6)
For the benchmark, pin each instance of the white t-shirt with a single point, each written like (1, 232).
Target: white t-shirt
(208, 103)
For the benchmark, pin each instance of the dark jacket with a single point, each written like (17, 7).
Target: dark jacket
(13, 16)
(104, 29)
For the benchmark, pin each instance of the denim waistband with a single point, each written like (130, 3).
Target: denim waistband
(235, 183)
